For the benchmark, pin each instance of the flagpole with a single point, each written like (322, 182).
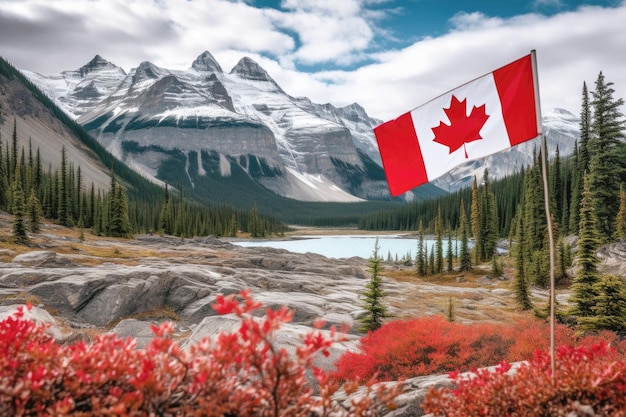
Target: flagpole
(546, 195)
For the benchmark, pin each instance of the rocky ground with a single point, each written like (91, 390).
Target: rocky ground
(86, 287)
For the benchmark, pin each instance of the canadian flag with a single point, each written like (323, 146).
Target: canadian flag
(484, 116)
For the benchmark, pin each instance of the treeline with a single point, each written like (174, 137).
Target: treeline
(31, 192)
(587, 198)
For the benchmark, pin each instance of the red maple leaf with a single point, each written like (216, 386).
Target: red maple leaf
(462, 128)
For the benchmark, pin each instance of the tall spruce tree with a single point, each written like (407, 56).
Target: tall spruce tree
(420, 261)
(19, 224)
(489, 220)
(64, 209)
(583, 289)
(620, 221)
(118, 222)
(475, 216)
(33, 209)
(607, 167)
(465, 255)
(377, 311)
(581, 163)
(450, 253)
(609, 309)
(521, 285)
(439, 241)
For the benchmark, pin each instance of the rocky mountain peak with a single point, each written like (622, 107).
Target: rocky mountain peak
(248, 69)
(147, 70)
(206, 62)
(96, 64)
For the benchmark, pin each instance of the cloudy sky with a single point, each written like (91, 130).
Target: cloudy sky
(387, 55)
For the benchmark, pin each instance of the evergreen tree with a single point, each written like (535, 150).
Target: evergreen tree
(620, 221)
(521, 286)
(583, 290)
(374, 295)
(606, 165)
(118, 223)
(475, 216)
(439, 241)
(19, 225)
(3, 178)
(63, 192)
(563, 262)
(34, 212)
(466, 258)
(450, 254)
(580, 162)
(420, 261)
(609, 309)
(489, 220)
(165, 216)
(556, 194)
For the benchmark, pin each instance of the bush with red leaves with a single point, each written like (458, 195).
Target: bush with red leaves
(588, 381)
(431, 345)
(241, 373)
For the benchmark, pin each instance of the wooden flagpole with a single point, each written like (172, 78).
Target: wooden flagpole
(546, 196)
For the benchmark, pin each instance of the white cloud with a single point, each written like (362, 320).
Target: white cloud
(49, 36)
(571, 48)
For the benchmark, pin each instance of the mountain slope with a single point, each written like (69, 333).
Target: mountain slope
(41, 124)
(307, 151)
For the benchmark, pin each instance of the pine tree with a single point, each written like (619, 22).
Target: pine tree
(19, 225)
(609, 309)
(606, 165)
(466, 258)
(580, 162)
(583, 290)
(420, 262)
(118, 223)
(521, 287)
(374, 295)
(489, 220)
(556, 183)
(439, 241)
(165, 216)
(450, 254)
(34, 212)
(63, 192)
(3, 178)
(475, 216)
(620, 221)
(563, 262)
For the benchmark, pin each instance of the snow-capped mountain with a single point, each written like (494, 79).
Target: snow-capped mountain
(205, 123)
(221, 121)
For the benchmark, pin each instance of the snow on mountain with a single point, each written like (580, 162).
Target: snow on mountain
(79, 91)
(306, 151)
(290, 145)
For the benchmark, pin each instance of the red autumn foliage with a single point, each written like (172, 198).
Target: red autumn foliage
(241, 373)
(430, 345)
(588, 380)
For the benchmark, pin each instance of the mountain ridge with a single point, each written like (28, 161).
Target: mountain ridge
(312, 152)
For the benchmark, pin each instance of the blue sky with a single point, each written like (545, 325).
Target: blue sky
(387, 55)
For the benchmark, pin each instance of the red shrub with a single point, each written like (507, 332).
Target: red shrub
(588, 381)
(427, 345)
(240, 373)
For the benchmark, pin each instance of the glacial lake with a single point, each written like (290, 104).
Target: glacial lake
(347, 246)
